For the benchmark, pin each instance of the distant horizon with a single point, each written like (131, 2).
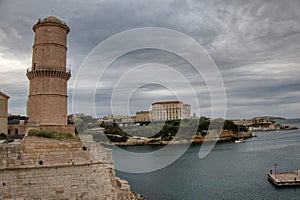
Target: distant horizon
(98, 116)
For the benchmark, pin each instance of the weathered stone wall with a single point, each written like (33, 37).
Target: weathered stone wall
(89, 181)
(40, 168)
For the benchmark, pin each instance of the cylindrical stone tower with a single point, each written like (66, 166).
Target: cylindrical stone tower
(48, 75)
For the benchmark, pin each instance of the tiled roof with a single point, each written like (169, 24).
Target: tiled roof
(4, 95)
(167, 102)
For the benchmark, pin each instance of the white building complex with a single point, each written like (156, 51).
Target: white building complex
(161, 111)
(170, 110)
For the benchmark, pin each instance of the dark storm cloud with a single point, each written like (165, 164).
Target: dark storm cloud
(255, 45)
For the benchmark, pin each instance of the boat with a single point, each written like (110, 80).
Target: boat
(240, 140)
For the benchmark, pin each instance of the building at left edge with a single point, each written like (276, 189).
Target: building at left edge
(3, 113)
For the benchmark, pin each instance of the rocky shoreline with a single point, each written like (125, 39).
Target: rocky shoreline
(225, 136)
(137, 196)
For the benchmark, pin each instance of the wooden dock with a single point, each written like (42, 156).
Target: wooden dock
(289, 179)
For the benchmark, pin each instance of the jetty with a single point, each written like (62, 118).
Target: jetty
(289, 179)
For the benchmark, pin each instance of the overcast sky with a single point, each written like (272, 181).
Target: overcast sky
(255, 45)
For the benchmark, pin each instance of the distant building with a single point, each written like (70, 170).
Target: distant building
(144, 116)
(3, 113)
(122, 118)
(165, 110)
(186, 111)
(244, 122)
(133, 118)
(115, 118)
(106, 119)
(170, 110)
(260, 120)
(17, 124)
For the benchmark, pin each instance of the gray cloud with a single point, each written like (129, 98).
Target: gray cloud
(255, 45)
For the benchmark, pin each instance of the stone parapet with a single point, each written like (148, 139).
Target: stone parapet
(48, 73)
(51, 21)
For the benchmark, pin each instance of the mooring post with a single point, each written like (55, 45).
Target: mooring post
(275, 165)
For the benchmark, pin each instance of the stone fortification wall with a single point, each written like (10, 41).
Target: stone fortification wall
(40, 168)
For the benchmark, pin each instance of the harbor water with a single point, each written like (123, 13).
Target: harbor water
(230, 171)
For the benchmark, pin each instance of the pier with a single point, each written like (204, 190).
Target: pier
(289, 179)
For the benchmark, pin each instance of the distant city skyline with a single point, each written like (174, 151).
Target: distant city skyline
(255, 45)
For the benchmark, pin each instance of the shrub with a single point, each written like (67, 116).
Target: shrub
(51, 134)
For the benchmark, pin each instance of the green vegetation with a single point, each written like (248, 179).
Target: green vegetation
(203, 125)
(167, 130)
(182, 129)
(115, 130)
(229, 125)
(51, 134)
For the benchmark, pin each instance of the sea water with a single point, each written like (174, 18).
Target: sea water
(230, 171)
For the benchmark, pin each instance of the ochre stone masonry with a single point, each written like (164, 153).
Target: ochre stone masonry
(50, 44)
(48, 75)
(41, 168)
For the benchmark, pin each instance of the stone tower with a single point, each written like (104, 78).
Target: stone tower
(48, 75)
